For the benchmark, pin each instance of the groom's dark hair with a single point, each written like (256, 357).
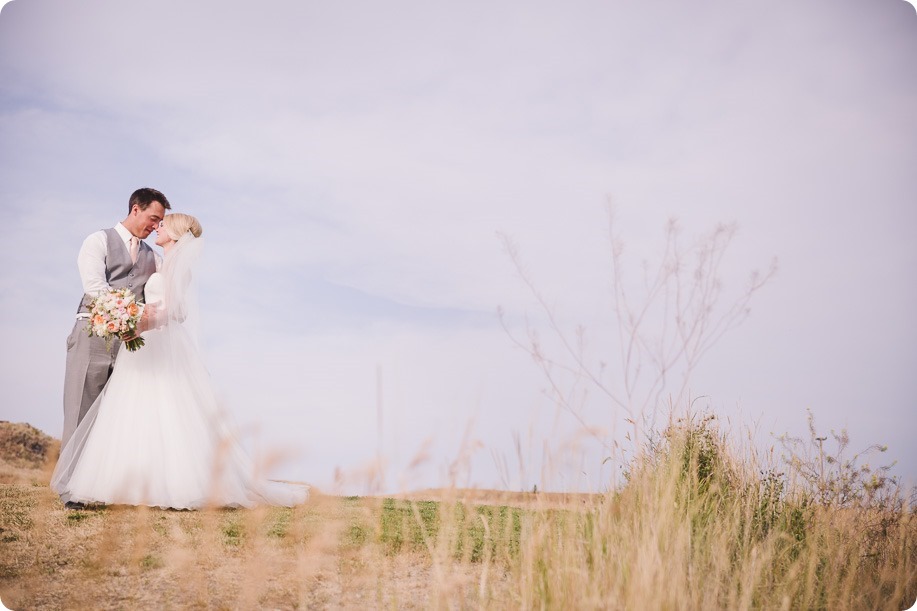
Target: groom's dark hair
(142, 198)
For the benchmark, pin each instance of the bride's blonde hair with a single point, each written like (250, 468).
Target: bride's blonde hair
(178, 224)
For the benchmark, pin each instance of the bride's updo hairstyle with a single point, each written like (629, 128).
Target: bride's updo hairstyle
(178, 224)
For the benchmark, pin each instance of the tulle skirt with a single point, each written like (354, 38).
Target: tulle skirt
(156, 437)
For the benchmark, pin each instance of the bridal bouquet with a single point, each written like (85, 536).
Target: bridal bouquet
(115, 314)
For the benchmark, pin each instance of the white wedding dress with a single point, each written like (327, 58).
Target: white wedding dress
(156, 435)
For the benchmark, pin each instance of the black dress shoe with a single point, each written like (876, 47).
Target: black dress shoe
(74, 505)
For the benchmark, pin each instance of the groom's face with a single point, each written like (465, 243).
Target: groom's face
(148, 220)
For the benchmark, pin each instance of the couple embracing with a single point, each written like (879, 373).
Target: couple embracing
(143, 426)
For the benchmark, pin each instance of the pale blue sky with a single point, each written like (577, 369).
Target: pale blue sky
(352, 163)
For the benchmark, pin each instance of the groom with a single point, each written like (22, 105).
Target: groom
(110, 258)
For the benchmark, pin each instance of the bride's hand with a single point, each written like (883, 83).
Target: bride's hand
(147, 319)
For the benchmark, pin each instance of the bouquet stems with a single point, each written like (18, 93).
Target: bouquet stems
(134, 344)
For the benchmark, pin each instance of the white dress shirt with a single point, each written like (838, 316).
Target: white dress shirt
(91, 260)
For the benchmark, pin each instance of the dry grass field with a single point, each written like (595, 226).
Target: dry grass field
(691, 529)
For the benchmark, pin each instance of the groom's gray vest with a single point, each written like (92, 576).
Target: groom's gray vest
(120, 272)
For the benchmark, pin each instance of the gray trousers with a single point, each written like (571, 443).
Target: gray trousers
(89, 365)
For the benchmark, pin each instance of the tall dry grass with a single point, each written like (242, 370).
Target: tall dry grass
(699, 523)
(696, 525)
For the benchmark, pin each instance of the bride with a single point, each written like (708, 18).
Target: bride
(156, 436)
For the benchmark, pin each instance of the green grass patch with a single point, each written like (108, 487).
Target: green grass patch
(76, 517)
(233, 530)
(151, 561)
(470, 532)
(278, 522)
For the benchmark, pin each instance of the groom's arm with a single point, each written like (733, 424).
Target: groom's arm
(91, 263)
